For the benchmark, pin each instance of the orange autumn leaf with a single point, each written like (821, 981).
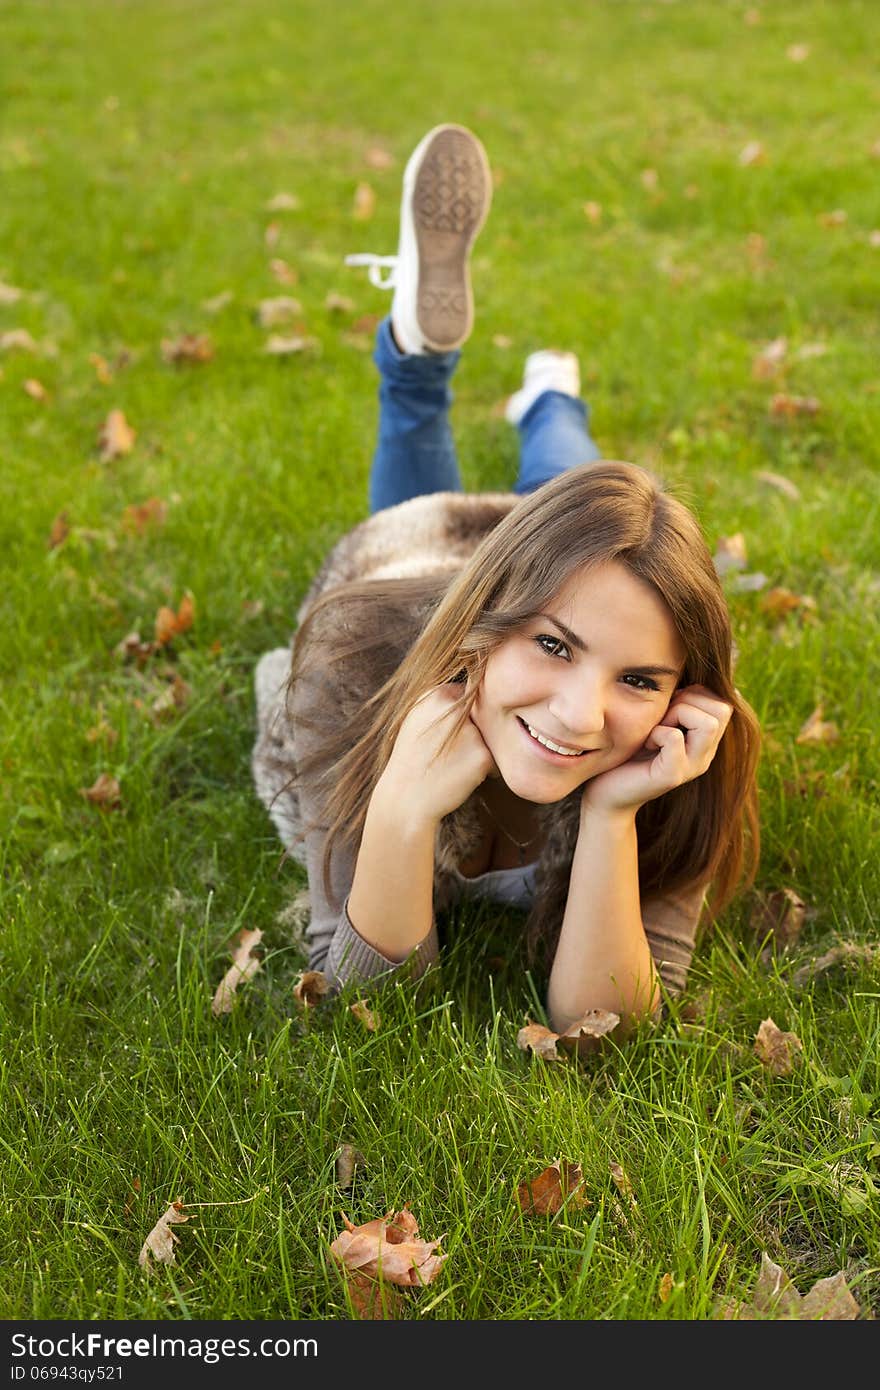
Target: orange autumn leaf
(779, 601)
(243, 968)
(137, 516)
(579, 1036)
(311, 986)
(58, 531)
(116, 436)
(189, 347)
(541, 1040)
(776, 1050)
(104, 792)
(170, 624)
(161, 1241)
(389, 1248)
(549, 1191)
(664, 1289)
(783, 406)
(817, 729)
(365, 1015)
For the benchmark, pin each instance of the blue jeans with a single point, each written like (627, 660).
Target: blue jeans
(415, 453)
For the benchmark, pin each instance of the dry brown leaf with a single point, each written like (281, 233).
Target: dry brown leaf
(664, 1290)
(389, 1248)
(775, 1297)
(783, 406)
(283, 202)
(364, 203)
(622, 1183)
(379, 158)
(581, 1036)
(752, 153)
(797, 52)
(780, 482)
(502, 340)
(650, 179)
(550, 1190)
(272, 235)
(58, 531)
(280, 310)
(730, 554)
(243, 968)
(173, 698)
(189, 347)
(817, 729)
(137, 516)
(311, 986)
(364, 1014)
(102, 368)
(338, 303)
(281, 345)
(217, 302)
(104, 792)
(18, 339)
(770, 361)
(170, 624)
(372, 1300)
(779, 914)
(131, 648)
(10, 294)
(541, 1040)
(102, 731)
(161, 1241)
(35, 389)
(284, 273)
(116, 436)
(845, 951)
(348, 1160)
(779, 601)
(776, 1050)
(835, 218)
(593, 212)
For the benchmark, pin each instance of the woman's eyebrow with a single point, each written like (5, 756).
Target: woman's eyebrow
(581, 646)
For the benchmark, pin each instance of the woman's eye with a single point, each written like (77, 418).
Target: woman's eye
(553, 646)
(641, 682)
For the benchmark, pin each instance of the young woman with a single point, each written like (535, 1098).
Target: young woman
(522, 696)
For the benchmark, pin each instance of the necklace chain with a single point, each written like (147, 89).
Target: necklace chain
(522, 845)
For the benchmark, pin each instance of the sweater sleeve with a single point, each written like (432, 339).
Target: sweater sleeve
(334, 944)
(671, 923)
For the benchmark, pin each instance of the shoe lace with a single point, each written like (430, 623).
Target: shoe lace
(376, 265)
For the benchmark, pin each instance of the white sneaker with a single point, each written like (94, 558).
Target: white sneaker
(447, 192)
(548, 370)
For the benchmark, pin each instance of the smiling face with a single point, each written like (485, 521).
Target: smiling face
(590, 677)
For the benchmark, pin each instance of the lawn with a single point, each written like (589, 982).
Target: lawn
(686, 196)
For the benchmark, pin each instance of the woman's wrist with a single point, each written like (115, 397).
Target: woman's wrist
(396, 805)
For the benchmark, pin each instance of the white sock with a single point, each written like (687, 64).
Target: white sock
(548, 370)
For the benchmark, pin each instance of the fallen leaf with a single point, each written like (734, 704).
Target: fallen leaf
(35, 389)
(780, 482)
(311, 986)
(770, 360)
(243, 968)
(338, 303)
(649, 179)
(279, 346)
(776, 1050)
(283, 202)
(779, 914)
(161, 1241)
(389, 1248)
(379, 158)
(348, 1160)
(189, 347)
(580, 1036)
(540, 1039)
(835, 218)
(502, 340)
(779, 601)
(102, 731)
(846, 951)
(217, 302)
(170, 624)
(116, 436)
(9, 294)
(797, 52)
(817, 730)
(272, 235)
(252, 608)
(281, 310)
(786, 406)
(139, 515)
(364, 1014)
(173, 698)
(131, 648)
(752, 153)
(372, 1300)
(364, 203)
(874, 238)
(284, 274)
(664, 1290)
(730, 554)
(19, 340)
(622, 1183)
(549, 1191)
(104, 792)
(593, 212)
(58, 531)
(775, 1297)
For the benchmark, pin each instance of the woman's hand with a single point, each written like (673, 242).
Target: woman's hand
(677, 750)
(427, 783)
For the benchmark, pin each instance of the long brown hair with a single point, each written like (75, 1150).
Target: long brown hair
(416, 634)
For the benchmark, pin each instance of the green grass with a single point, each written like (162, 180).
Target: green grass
(139, 146)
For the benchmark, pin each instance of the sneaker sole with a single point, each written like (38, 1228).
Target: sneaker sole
(450, 203)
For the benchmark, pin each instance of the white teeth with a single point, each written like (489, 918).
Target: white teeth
(554, 747)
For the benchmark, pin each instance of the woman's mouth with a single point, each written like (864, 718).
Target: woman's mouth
(539, 744)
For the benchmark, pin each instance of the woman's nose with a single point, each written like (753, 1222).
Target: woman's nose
(579, 706)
